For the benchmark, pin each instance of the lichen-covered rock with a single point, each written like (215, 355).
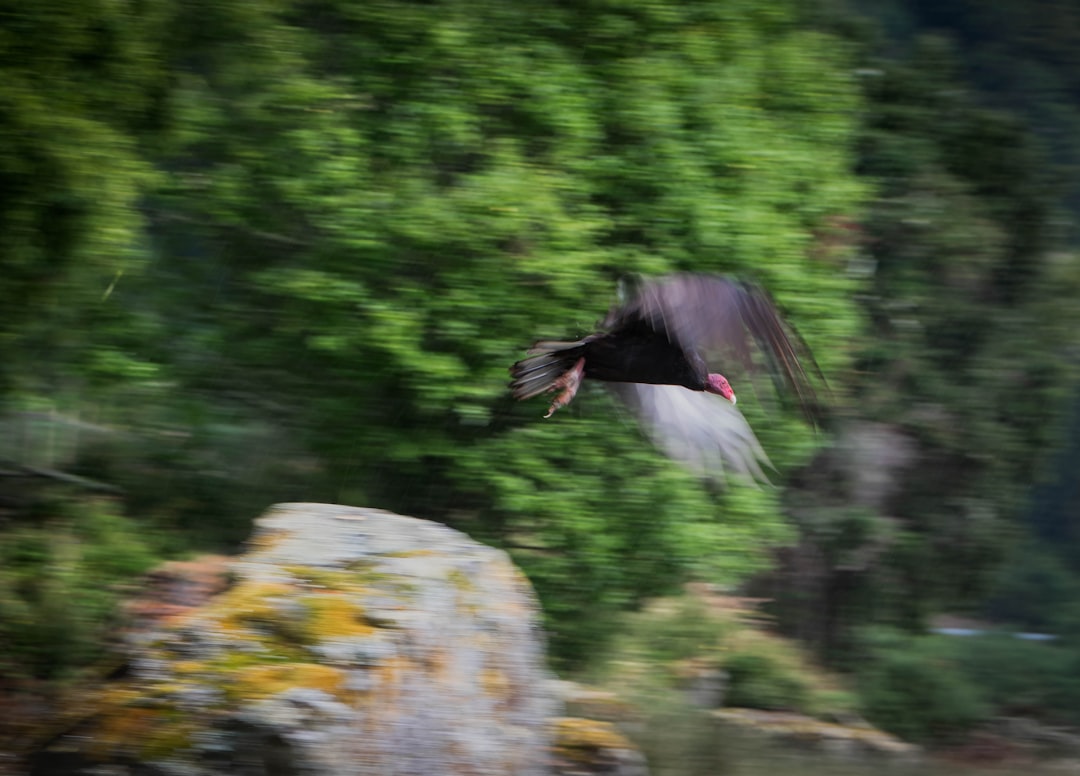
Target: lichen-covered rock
(589, 747)
(595, 703)
(350, 642)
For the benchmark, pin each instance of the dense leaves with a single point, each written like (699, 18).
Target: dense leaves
(397, 209)
(266, 250)
(962, 383)
(360, 214)
(59, 585)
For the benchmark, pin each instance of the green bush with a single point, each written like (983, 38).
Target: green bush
(1032, 590)
(913, 689)
(929, 688)
(759, 681)
(1022, 677)
(677, 629)
(60, 581)
(673, 638)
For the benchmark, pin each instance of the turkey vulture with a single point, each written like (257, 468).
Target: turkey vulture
(652, 348)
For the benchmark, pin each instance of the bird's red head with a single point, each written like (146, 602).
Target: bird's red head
(719, 385)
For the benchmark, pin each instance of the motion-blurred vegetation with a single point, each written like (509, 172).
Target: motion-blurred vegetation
(62, 573)
(674, 644)
(256, 252)
(933, 688)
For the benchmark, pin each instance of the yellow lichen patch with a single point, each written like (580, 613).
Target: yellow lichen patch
(123, 725)
(460, 580)
(388, 675)
(581, 740)
(228, 662)
(118, 695)
(248, 602)
(266, 539)
(605, 705)
(333, 615)
(187, 667)
(330, 579)
(262, 681)
(166, 738)
(496, 683)
(130, 719)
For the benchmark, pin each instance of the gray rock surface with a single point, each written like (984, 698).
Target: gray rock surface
(350, 642)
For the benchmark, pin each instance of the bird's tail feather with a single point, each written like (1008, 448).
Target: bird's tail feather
(547, 362)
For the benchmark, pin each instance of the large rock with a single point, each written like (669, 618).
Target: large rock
(351, 641)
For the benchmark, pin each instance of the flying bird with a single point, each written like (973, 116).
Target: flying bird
(654, 350)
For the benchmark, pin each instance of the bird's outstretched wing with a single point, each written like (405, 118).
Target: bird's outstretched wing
(712, 314)
(704, 432)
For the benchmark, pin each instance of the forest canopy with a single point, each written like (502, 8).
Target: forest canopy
(263, 251)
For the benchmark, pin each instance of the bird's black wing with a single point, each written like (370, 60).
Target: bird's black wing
(712, 314)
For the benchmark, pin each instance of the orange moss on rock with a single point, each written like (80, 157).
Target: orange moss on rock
(334, 616)
(604, 705)
(495, 683)
(124, 724)
(248, 603)
(586, 740)
(268, 624)
(263, 681)
(132, 721)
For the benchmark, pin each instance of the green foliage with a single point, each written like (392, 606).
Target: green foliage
(966, 369)
(80, 82)
(595, 542)
(288, 249)
(671, 630)
(665, 646)
(1017, 676)
(912, 688)
(60, 581)
(328, 228)
(965, 283)
(369, 225)
(670, 644)
(931, 688)
(760, 682)
(1033, 590)
(1016, 51)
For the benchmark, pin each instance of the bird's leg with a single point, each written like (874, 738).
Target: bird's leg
(569, 382)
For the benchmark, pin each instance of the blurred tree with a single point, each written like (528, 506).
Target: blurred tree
(320, 231)
(370, 209)
(967, 372)
(82, 84)
(1020, 54)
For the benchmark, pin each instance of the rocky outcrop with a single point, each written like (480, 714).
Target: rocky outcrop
(348, 642)
(855, 741)
(589, 747)
(1036, 738)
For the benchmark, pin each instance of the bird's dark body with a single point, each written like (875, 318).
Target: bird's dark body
(656, 341)
(641, 355)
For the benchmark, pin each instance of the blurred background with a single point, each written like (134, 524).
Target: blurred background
(264, 250)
